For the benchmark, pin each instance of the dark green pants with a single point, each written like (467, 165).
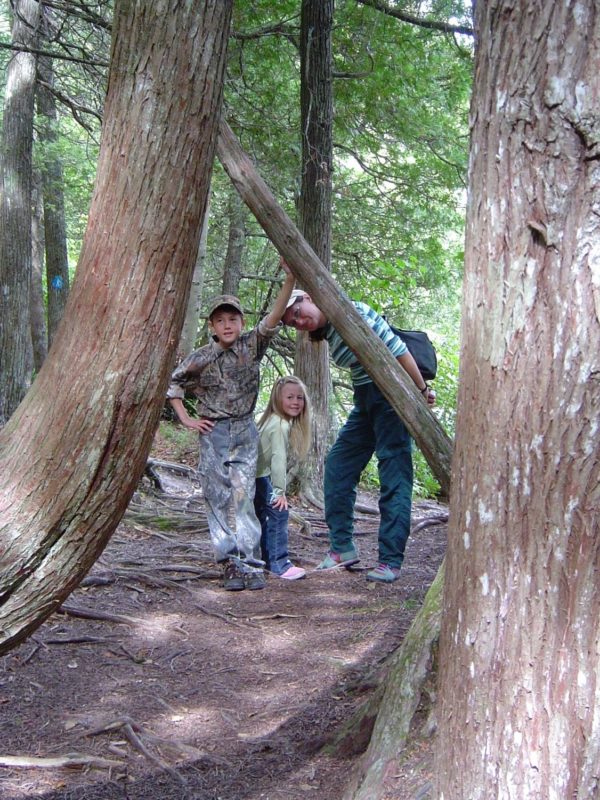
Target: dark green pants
(372, 427)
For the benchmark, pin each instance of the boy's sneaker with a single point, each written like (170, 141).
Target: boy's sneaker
(233, 578)
(254, 579)
(384, 573)
(293, 574)
(333, 560)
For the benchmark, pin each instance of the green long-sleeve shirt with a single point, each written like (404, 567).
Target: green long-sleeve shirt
(272, 453)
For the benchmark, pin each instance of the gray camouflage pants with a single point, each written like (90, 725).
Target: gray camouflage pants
(227, 472)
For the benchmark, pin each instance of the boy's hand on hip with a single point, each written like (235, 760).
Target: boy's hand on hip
(202, 425)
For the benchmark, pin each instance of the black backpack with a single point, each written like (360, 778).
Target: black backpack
(421, 349)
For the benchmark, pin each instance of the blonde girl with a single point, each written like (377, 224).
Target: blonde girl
(285, 427)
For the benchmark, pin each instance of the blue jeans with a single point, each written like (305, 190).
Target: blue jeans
(274, 528)
(372, 427)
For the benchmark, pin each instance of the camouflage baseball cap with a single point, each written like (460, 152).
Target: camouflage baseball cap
(224, 300)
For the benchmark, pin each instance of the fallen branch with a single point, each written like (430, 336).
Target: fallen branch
(77, 640)
(71, 760)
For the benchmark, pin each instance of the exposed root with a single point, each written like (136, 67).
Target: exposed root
(137, 736)
(88, 613)
(440, 519)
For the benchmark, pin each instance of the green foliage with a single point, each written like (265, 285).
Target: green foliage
(181, 441)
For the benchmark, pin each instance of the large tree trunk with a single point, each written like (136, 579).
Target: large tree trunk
(314, 208)
(71, 455)
(519, 655)
(306, 266)
(15, 211)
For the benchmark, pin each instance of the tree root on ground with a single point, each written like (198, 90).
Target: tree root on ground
(137, 736)
(440, 519)
(88, 613)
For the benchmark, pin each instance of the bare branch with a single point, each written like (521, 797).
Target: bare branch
(431, 24)
(47, 54)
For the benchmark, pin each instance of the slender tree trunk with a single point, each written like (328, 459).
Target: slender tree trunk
(15, 211)
(37, 308)
(191, 323)
(72, 454)
(377, 360)
(519, 652)
(57, 260)
(314, 208)
(236, 241)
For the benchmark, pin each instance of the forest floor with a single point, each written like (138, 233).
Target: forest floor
(153, 683)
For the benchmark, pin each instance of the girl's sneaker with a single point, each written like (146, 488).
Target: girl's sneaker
(293, 574)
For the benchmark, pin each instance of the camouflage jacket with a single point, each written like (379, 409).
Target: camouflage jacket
(224, 381)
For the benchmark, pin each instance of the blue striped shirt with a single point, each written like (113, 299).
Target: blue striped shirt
(341, 354)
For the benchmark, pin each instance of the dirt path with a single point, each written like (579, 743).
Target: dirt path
(200, 694)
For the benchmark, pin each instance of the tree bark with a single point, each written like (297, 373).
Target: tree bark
(15, 211)
(311, 362)
(236, 241)
(519, 651)
(72, 454)
(307, 267)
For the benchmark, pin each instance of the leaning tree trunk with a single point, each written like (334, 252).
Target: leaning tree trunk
(72, 454)
(15, 211)
(306, 266)
(519, 650)
(314, 209)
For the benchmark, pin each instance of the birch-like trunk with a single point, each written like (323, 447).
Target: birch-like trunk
(15, 210)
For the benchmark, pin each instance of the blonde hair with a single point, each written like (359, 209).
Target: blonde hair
(301, 426)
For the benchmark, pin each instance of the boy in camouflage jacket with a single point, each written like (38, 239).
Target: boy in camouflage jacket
(224, 377)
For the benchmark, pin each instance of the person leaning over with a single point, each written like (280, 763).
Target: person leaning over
(373, 426)
(224, 377)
